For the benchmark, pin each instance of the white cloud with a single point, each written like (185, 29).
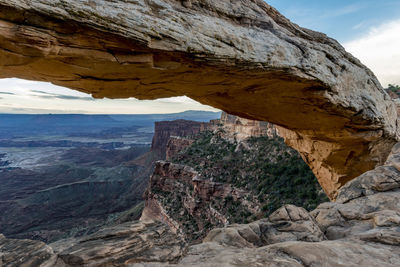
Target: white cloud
(379, 49)
(21, 96)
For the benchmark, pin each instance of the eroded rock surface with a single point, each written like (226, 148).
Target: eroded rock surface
(163, 130)
(15, 253)
(122, 245)
(361, 229)
(240, 56)
(176, 144)
(289, 223)
(236, 128)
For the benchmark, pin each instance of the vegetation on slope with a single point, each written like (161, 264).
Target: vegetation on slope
(266, 167)
(393, 89)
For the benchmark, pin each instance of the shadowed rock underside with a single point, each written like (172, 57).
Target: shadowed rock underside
(240, 56)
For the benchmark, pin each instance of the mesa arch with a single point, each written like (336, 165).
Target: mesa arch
(240, 56)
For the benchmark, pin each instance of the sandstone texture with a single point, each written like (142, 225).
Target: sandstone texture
(163, 130)
(15, 253)
(175, 145)
(361, 229)
(243, 57)
(189, 204)
(121, 245)
(236, 128)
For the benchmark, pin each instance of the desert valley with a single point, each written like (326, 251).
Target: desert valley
(298, 166)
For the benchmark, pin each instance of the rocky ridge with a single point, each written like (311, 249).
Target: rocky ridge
(243, 57)
(163, 130)
(361, 229)
(236, 128)
(229, 170)
(177, 196)
(172, 137)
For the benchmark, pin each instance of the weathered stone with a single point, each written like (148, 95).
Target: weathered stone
(289, 223)
(367, 208)
(177, 196)
(122, 245)
(327, 253)
(14, 252)
(163, 130)
(176, 144)
(236, 128)
(240, 56)
(381, 179)
(363, 230)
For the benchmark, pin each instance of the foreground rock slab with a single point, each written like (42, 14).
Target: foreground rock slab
(240, 56)
(327, 253)
(121, 245)
(15, 253)
(361, 229)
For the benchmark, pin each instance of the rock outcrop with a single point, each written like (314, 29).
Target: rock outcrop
(360, 229)
(288, 223)
(121, 245)
(23, 252)
(178, 197)
(182, 133)
(175, 145)
(237, 128)
(243, 57)
(163, 130)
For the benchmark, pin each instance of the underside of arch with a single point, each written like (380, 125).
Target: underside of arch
(239, 56)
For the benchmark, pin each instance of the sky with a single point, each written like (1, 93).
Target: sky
(370, 30)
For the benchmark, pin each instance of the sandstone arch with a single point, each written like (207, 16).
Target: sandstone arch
(239, 56)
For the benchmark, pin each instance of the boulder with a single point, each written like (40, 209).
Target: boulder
(289, 223)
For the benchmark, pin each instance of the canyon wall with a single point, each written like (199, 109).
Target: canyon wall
(163, 130)
(243, 57)
(177, 196)
(235, 127)
(175, 145)
(226, 174)
(360, 229)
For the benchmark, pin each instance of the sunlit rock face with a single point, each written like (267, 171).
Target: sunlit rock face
(240, 56)
(236, 128)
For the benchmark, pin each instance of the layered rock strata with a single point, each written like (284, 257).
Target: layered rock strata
(178, 197)
(163, 130)
(360, 229)
(236, 128)
(176, 144)
(243, 57)
(122, 245)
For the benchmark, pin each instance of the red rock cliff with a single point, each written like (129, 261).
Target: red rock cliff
(235, 127)
(188, 203)
(163, 130)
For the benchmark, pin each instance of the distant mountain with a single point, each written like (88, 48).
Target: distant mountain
(71, 119)
(21, 125)
(146, 119)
